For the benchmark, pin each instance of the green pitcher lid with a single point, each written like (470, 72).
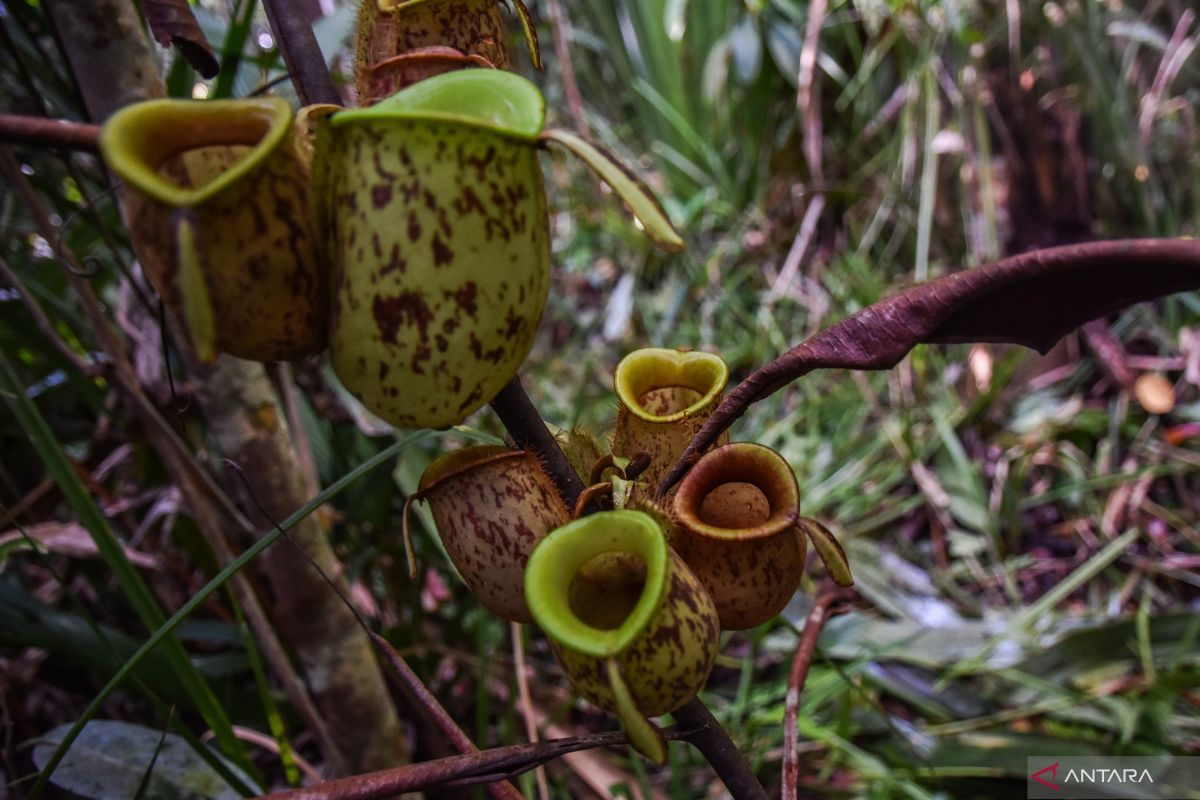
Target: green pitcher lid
(486, 98)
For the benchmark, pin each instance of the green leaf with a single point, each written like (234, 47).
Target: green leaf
(109, 760)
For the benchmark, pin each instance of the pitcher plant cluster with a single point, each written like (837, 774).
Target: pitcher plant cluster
(409, 237)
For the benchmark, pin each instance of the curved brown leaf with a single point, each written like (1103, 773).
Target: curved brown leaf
(173, 23)
(1033, 299)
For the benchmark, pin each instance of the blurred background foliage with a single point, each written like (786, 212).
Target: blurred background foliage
(1022, 529)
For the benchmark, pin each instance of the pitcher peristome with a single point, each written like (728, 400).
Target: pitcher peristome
(664, 397)
(632, 626)
(219, 203)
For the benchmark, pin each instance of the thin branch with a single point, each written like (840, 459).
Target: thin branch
(298, 44)
(43, 322)
(464, 770)
(434, 710)
(53, 133)
(710, 739)
(796, 678)
(525, 700)
(529, 431)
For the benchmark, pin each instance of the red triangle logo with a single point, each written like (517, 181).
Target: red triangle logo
(1053, 770)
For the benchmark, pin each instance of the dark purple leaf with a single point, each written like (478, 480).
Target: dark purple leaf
(1033, 299)
(173, 23)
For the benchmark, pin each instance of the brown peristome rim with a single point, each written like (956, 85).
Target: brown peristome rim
(741, 462)
(457, 462)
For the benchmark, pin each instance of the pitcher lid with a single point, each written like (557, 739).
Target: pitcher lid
(485, 98)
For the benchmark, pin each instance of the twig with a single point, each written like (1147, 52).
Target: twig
(42, 321)
(464, 770)
(796, 678)
(525, 698)
(529, 431)
(437, 714)
(301, 53)
(44, 132)
(559, 23)
(711, 740)
(1111, 357)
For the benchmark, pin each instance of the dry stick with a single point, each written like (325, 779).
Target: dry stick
(559, 23)
(516, 631)
(211, 508)
(465, 770)
(42, 321)
(410, 681)
(799, 673)
(435, 712)
(43, 132)
(301, 53)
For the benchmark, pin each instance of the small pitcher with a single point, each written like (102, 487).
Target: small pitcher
(632, 626)
(664, 396)
(441, 241)
(219, 203)
(737, 514)
(492, 506)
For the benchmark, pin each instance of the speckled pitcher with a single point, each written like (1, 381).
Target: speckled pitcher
(402, 41)
(218, 198)
(439, 229)
(492, 506)
(665, 396)
(633, 628)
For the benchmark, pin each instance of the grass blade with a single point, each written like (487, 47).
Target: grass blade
(219, 580)
(132, 584)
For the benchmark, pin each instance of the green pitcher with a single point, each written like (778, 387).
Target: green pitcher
(218, 197)
(441, 242)
(633, 628)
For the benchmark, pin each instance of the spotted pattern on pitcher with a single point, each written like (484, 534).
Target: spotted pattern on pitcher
(443, 266)
(669, 662)
(668, 379)
(472, 27)
(257, 245)
(491, 511)
(749, 555)
(751, 581)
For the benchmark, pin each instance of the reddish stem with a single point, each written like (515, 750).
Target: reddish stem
(44, 132)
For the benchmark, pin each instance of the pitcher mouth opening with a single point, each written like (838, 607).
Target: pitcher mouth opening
(594, 584)
(739, 491)
(662, 386)
(184, 152)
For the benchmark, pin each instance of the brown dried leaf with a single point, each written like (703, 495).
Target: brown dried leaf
(72, 539)
(173, 23)
(1032, 299)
